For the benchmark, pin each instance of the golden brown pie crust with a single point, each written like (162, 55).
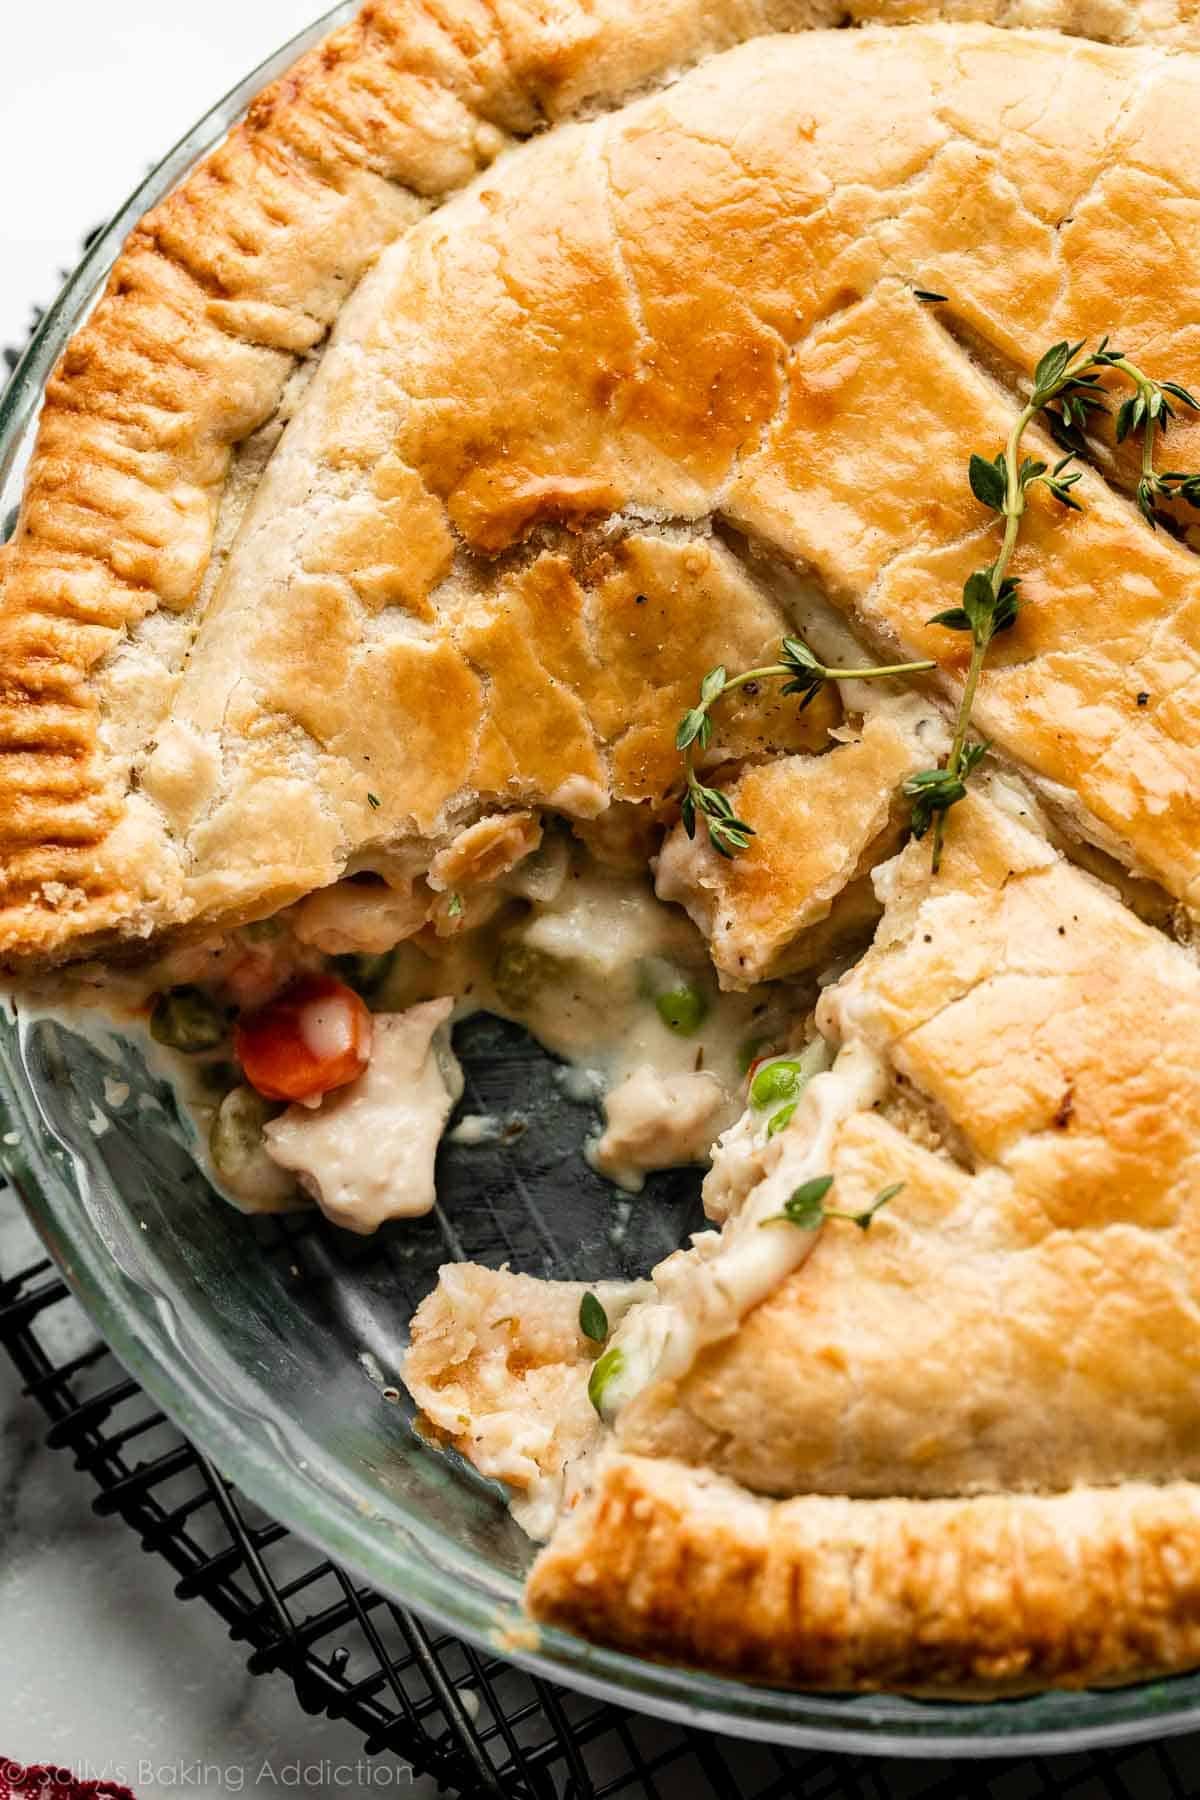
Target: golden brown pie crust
(1000, 1593)
(217, 295)
(1024, 1314)
(945, 1453)
(229, 284)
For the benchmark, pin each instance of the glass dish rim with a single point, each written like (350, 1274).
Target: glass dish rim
(419, 1572)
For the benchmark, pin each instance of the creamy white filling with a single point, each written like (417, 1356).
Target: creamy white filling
(366, 1154)
(704, 1292)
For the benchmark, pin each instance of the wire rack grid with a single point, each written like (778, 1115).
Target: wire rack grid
(471, 1721)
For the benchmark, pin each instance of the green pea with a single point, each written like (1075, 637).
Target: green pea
(236, 1129)
(366, 974)
(749, 1052)
(239, 1154)
(605, 1369)
(682, 1009)
(518, 972)
(778, 1120)
(187, 1019)
(775, 1081)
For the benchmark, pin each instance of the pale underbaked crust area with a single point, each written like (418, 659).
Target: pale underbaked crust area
(205, 714)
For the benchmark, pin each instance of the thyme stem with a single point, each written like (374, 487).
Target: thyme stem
(1067, 390)
(803, 674)
(1014, 508)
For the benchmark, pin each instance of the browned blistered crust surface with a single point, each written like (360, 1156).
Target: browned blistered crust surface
(220, 293)
(1000, 1593)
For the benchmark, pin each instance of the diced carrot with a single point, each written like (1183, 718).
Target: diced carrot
(314, 1037)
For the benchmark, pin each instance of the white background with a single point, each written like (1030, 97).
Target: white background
(92, 92)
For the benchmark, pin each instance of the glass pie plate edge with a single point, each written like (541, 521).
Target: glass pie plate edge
(269, 1343)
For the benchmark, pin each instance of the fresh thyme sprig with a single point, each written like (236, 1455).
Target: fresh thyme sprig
(804, 675)
(1068, 390)
(806, 1207)
(1148, 410)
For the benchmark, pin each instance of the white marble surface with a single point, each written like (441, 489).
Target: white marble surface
(102, 1669)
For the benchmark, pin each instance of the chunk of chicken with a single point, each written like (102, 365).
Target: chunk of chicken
(366, 1154)
(356, 916)
(655, 1121)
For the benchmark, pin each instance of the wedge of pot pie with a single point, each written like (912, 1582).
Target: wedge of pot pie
(496, 543)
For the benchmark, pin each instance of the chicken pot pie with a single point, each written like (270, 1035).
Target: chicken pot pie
(509, 372)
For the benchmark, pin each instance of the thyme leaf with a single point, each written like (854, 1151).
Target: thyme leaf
(1068, 392)
(806, 1208)
(802, 673)
(593, 1320)
(989, 481)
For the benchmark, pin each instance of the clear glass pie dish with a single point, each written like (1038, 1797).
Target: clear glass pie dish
(273, 1342)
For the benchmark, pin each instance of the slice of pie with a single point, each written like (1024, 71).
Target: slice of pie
(509, 369)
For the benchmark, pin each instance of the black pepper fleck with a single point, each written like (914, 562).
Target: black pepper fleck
(1143, 699)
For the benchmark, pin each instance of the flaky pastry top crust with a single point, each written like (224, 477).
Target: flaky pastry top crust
(1025, 1314)
(683, 312)
(998, 1594)
(259, 623)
